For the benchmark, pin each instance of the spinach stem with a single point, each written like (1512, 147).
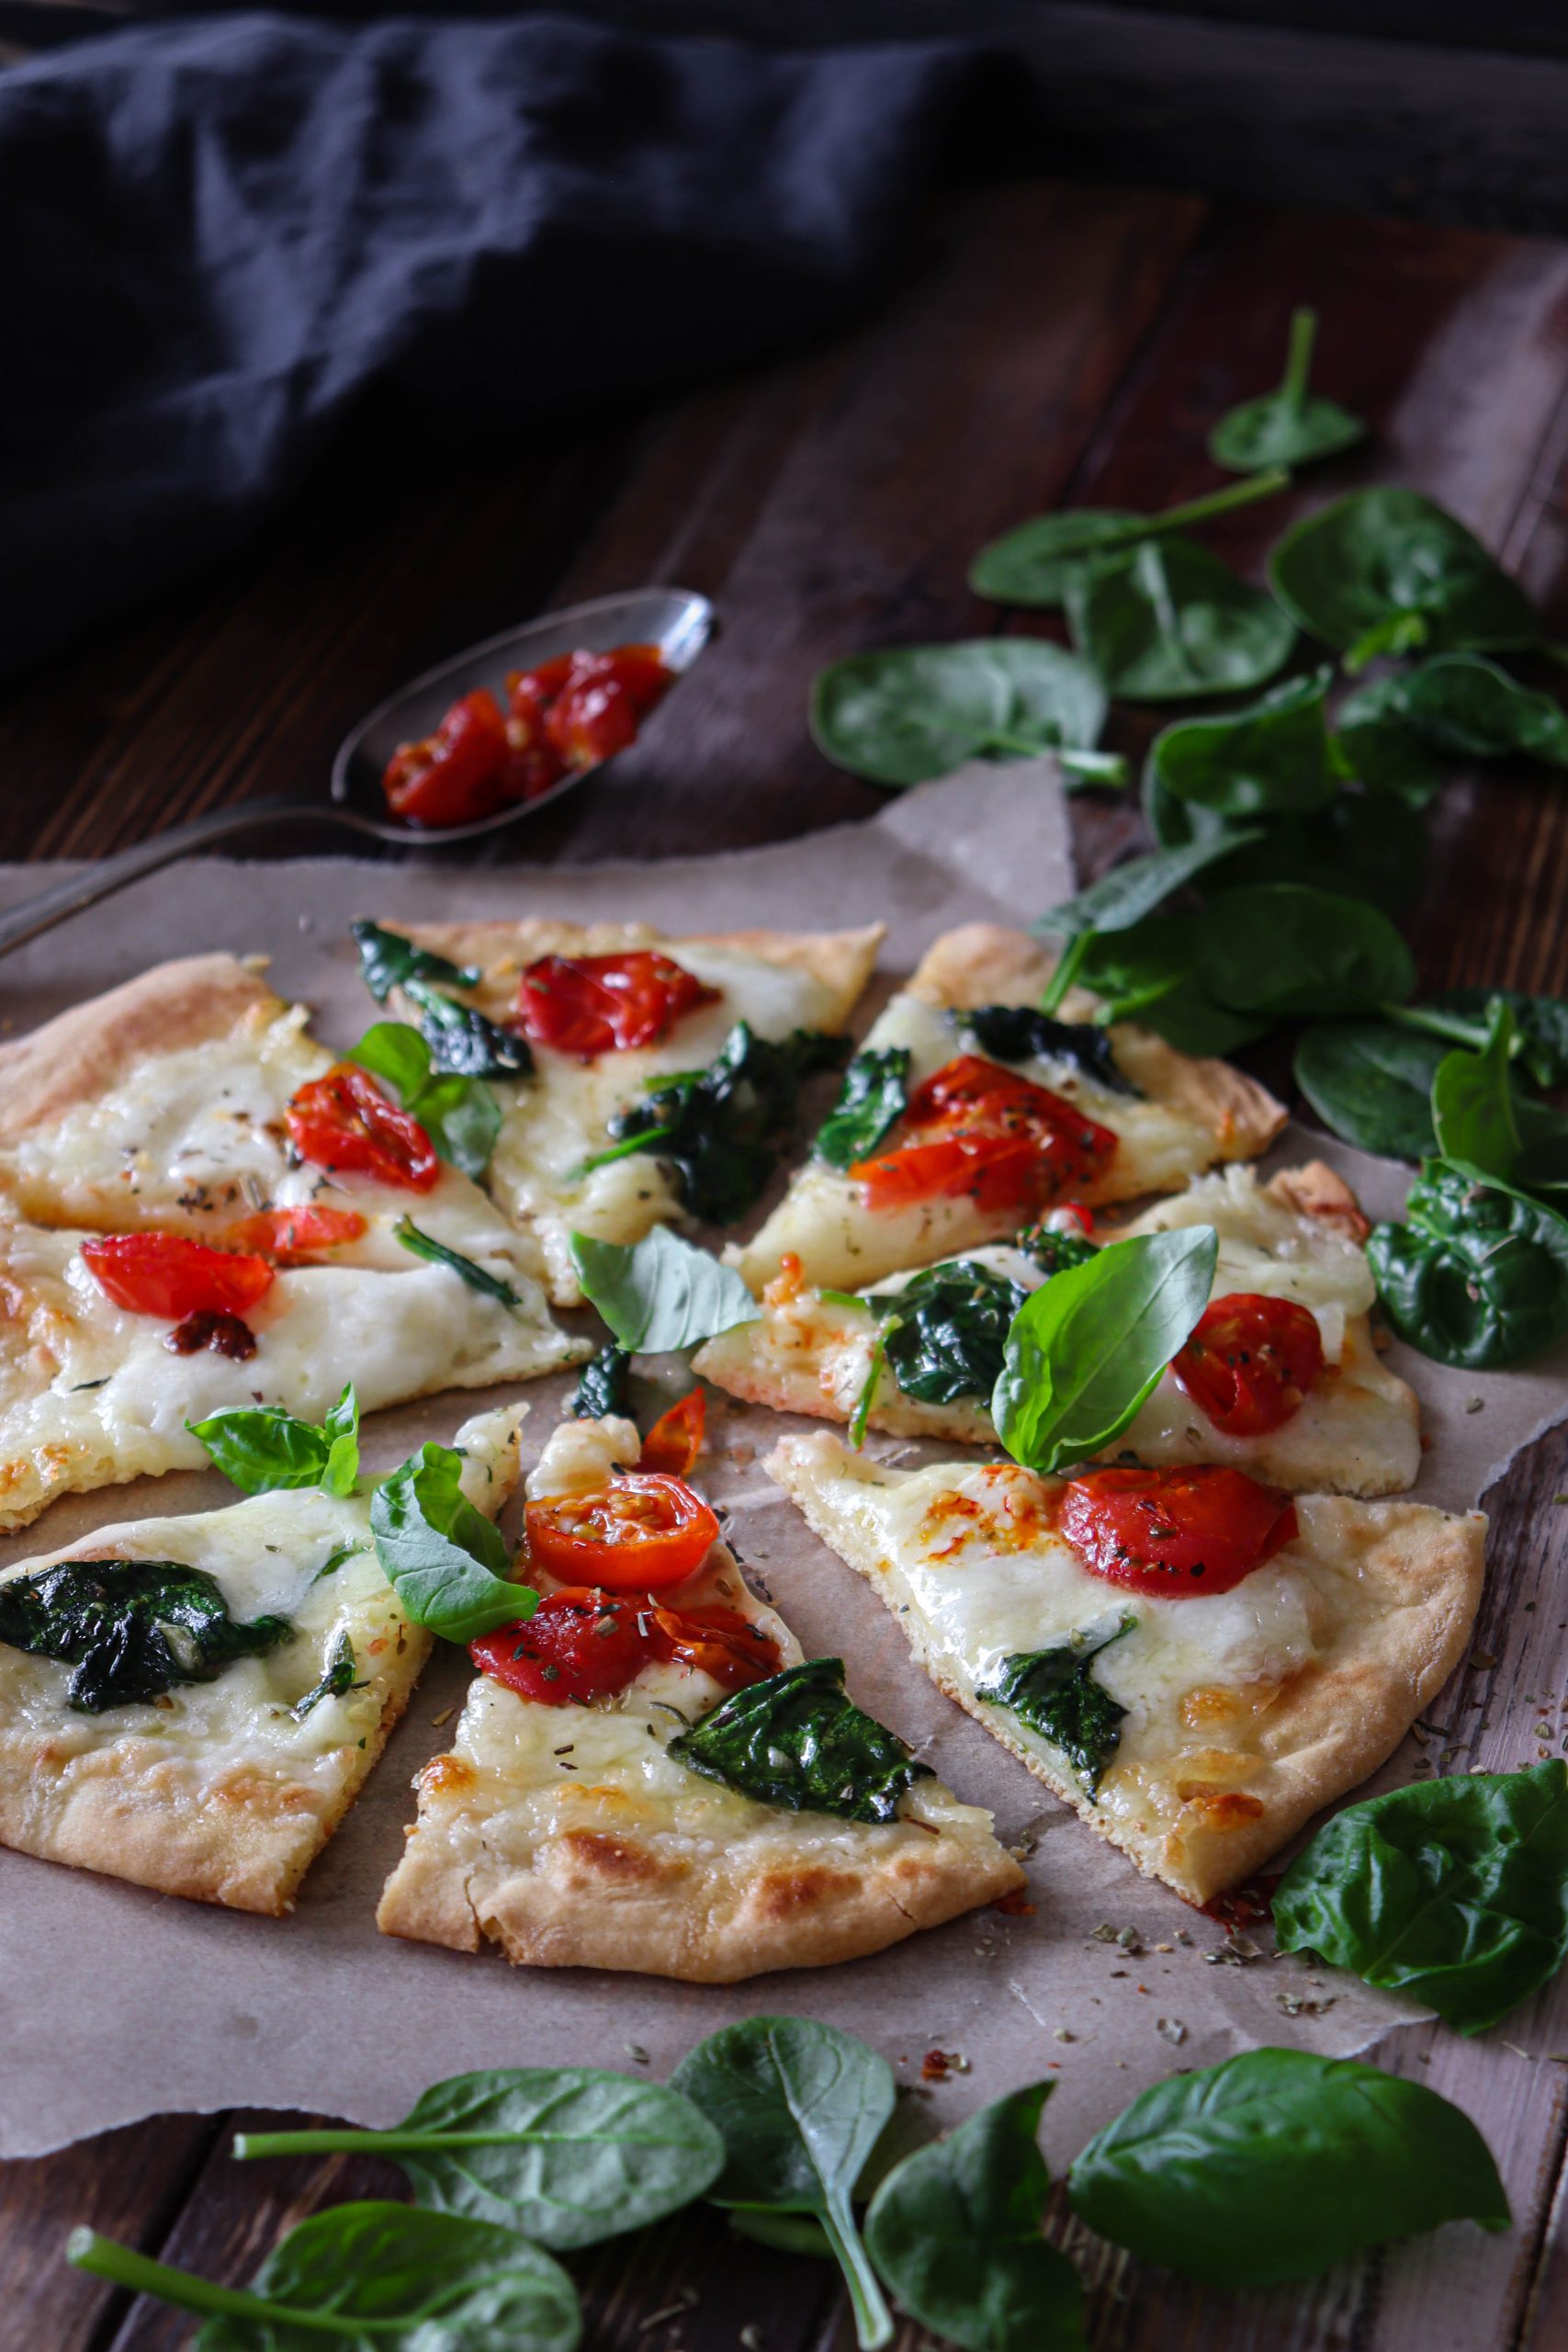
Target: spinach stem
(873, 2320)
(1266, 485)
(1095, 767)
(1298, 364)
(1434, 1023)
(249, 2145)
(1062, 979)
(123, 2267)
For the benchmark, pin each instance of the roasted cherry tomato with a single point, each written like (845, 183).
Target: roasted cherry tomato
(604, 1004)
(1175, 1532)
(296, 1233)
(641, 1532)
(457, 773)
(603, 702)
(675, 1440)
(719, 1642)
(163, 1273)
(1250, 1362)
(976, 1129)
(583, 1643)
(345, 1123)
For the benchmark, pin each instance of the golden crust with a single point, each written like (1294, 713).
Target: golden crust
(1208, 1819)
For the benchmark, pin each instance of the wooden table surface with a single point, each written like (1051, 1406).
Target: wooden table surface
(1051, 345)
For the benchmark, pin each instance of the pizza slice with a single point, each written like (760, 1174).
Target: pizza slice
(193, 1704)
(661, 1073)
(967, 1113)
(1281, 1378)
(1195, 1661)
(648, 1776)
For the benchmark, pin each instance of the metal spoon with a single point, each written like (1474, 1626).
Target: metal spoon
(675, 619)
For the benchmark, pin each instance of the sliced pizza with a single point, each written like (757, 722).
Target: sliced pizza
(1281, 1379)
(648, 1776)
(193, 1704)
(967, 1111)
(663, 1072)
(1194, 1660)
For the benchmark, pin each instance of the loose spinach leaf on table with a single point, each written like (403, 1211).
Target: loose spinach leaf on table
(1362, 844)
(1455, 1891)
(1145, 975)
(1539, 1021)
(436, 1254)
(369, 2277)
(1278, 2164)
(1018, 1033)
(1268, 760)
(1477, 1275)
(1176, 622)
(917, 711)
(1470, 708)
(1054, 1692)
(602, 1389)
(461, 1117)
(1033, 564)
(1085, 1351)
(955, 2230)
(1371, 1083)
(660, 1294)
(796, 1740)
(944, 1334)
(1292, 426)
(719, 1128)
(1373, 740)
(566, 2156)
(1122, 898)
(1385, 571)
(800, 2107)
(1474, 1111)
(132, 1629)
(1281, 948)
(872, 1098)
(446, 1561)
(261, 1448)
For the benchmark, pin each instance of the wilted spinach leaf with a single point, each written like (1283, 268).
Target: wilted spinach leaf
(917, 711)
(945, 1332)
(388, 960)
(1017, 1033)
(1385, 571)
(1270, 759)
(1176, 622)
(1033, 563)
(1371, 1083)
(132, 1629)
(1053, 1691)
(1292, 426)
(719, 1128)
(436, 1254)
(601, 1388)
(337, 1679)
(465, 1041)
(1477, 1275)
(872, 1098)
(796, 1740)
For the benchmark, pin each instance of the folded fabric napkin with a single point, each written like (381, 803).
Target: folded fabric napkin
(220, 233)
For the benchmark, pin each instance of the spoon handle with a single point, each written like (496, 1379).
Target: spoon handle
(108, 875)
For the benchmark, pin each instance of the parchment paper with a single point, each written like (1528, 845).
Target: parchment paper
(172, 2006)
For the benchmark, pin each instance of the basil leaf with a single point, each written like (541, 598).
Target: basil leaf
(445, 1560)
(917, 711)
(1292, 426)
(797, 1741)
(1269, 759)
(602, 1389)
(1281, 948)
(1375, 740)
(461, 1117)
(1176, 622)
(874, 1097)
(1033, 563)
(398, 1057)
(1468, 707)
(388, 959)
(371, 2278)
(565, 2155)
(1455, 1891)
(800, 2107)
(1473, 1115)
(955, 2230)
(1385, 571)
(1371, 1083)
(340, 1472)
(1052, 1692)
(1237, 2174)
(1477, 1275)
(1086, 1351)
(337, 1678)
(132, 1629)
(948, 1331)
(263, 1448)
(718, 1128)
(465, 1041)
(660, 1294)
(1017, 1033)
(425, 1245)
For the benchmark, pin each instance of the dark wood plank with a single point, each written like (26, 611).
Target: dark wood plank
(129, 2184)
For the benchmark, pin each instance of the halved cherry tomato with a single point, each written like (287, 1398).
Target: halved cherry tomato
(675, 1440)
(163, 1274)
(583, 1643)
(1175, 1532)
(605, 701)
(976, 1129)
(719, 1641)
(1250, 1362)
(345, 1123)
(296, 1233)
(604, 1004)
(641, 1532)
(457, 773)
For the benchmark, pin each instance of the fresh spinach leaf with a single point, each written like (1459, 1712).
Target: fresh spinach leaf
(565, 2155)
(800, 2107)
(425, 1245)
(1087, 1349)
(461, 1117)
(1145, 975)
(388, 960)
(660, 1294)
(718, 1128)
(1470, 708)
(261, 1448)
(368, 2277)
(1375, 740)
(1540, 1024)
(917, 711)
(1238, 2174)
(602, 1389)
(132, 1629)
(1455, 1891)
(1360, 843)
(1279, 948)
(1033, 564)
(1474, 1116)
(945, 1332)
(337, 1679)
(1122, 898)
(1371, 1083)
(1477, 1275)
(1292, 426)
(955, 2230)
(1270, 759)
(1017, 1033)
(874, 1097)
(1176, 622)
(1052, 1692)
(796, 1740)
(1385, 571)
(445, 1560)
